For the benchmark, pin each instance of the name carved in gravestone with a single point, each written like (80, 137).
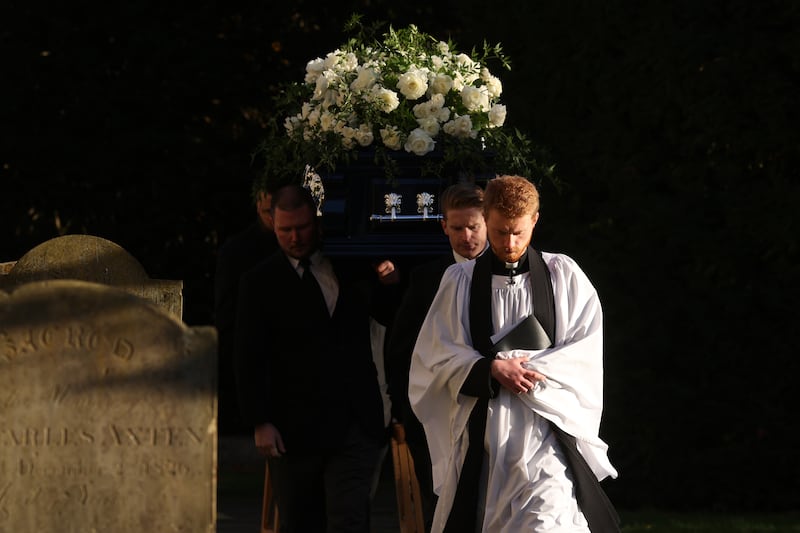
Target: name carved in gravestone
(107, 413)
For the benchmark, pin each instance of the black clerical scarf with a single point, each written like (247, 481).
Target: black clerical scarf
(592, 500)
(480, 298)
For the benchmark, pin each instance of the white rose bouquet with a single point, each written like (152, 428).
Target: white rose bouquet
(406, 92)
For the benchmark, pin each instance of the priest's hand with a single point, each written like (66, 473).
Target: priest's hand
(269, 441)
(512, 374)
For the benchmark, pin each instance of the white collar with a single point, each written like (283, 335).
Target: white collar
(460, 258)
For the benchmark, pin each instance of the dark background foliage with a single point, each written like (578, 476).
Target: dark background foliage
(673, 125)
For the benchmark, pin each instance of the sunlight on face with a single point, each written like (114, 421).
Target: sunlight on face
(510, 237)
(466, 230)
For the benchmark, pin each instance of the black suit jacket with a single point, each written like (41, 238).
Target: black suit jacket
(309, 374)
(422, 287)
(239, 254)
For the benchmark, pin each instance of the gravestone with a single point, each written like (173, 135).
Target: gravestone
(90, 258)
(107, 413)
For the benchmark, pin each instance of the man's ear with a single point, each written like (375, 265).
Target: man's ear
(443, 222)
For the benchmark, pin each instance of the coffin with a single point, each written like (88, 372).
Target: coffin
(367, 214)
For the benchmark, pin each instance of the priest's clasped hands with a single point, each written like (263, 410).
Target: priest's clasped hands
(513, 375)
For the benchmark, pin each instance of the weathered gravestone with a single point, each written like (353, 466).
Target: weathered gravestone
(107, 414)
(90, 258)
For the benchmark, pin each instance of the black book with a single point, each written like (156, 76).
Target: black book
(527, 335)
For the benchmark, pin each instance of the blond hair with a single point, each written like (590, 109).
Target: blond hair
(461, 196)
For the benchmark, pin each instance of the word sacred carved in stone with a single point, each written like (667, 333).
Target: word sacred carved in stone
(53, 339)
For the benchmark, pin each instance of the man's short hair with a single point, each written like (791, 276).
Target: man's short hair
(461, 196)
(511, 196)
(291, 197)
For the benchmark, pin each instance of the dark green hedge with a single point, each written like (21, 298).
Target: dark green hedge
(673, 124)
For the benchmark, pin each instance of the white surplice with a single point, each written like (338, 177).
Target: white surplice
(527, 488)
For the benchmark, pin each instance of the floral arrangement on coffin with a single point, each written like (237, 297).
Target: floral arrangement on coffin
(403, 93)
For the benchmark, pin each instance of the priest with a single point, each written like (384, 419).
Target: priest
(507, 380)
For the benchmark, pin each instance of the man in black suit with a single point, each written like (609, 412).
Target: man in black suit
(307, 380)
(239, 254)
(462, 222)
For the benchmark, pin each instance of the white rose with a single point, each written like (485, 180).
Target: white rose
(313, 69)
(497, 115)
(365, 79)
(332, 59)
(458, 82)
(441, 84)
(413, 84)
(423, 109)
(327, 121)
(443, 47)
(386, 99)
(464, 60)
(349, 62)
(313, 117)
(430, 125)
(475, 98)
(470, 78)
(329, 98)
(419, 142)
(364, 135)
(348, 137)
(391, 137)
(337, 97)
(494, 86)
(443, 115)
(460, 127)
(430, 108)
(324, 82)
(290, 123)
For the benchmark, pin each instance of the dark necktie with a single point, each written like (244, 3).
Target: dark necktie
(312, 286)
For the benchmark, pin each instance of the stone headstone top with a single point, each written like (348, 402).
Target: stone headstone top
(90, 258)
(107, 413)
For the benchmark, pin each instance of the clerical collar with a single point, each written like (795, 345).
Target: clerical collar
(501, 268)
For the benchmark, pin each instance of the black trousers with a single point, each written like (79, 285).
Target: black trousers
(327, 491)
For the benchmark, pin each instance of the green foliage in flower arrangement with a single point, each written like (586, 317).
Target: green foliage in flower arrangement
(401, 92)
